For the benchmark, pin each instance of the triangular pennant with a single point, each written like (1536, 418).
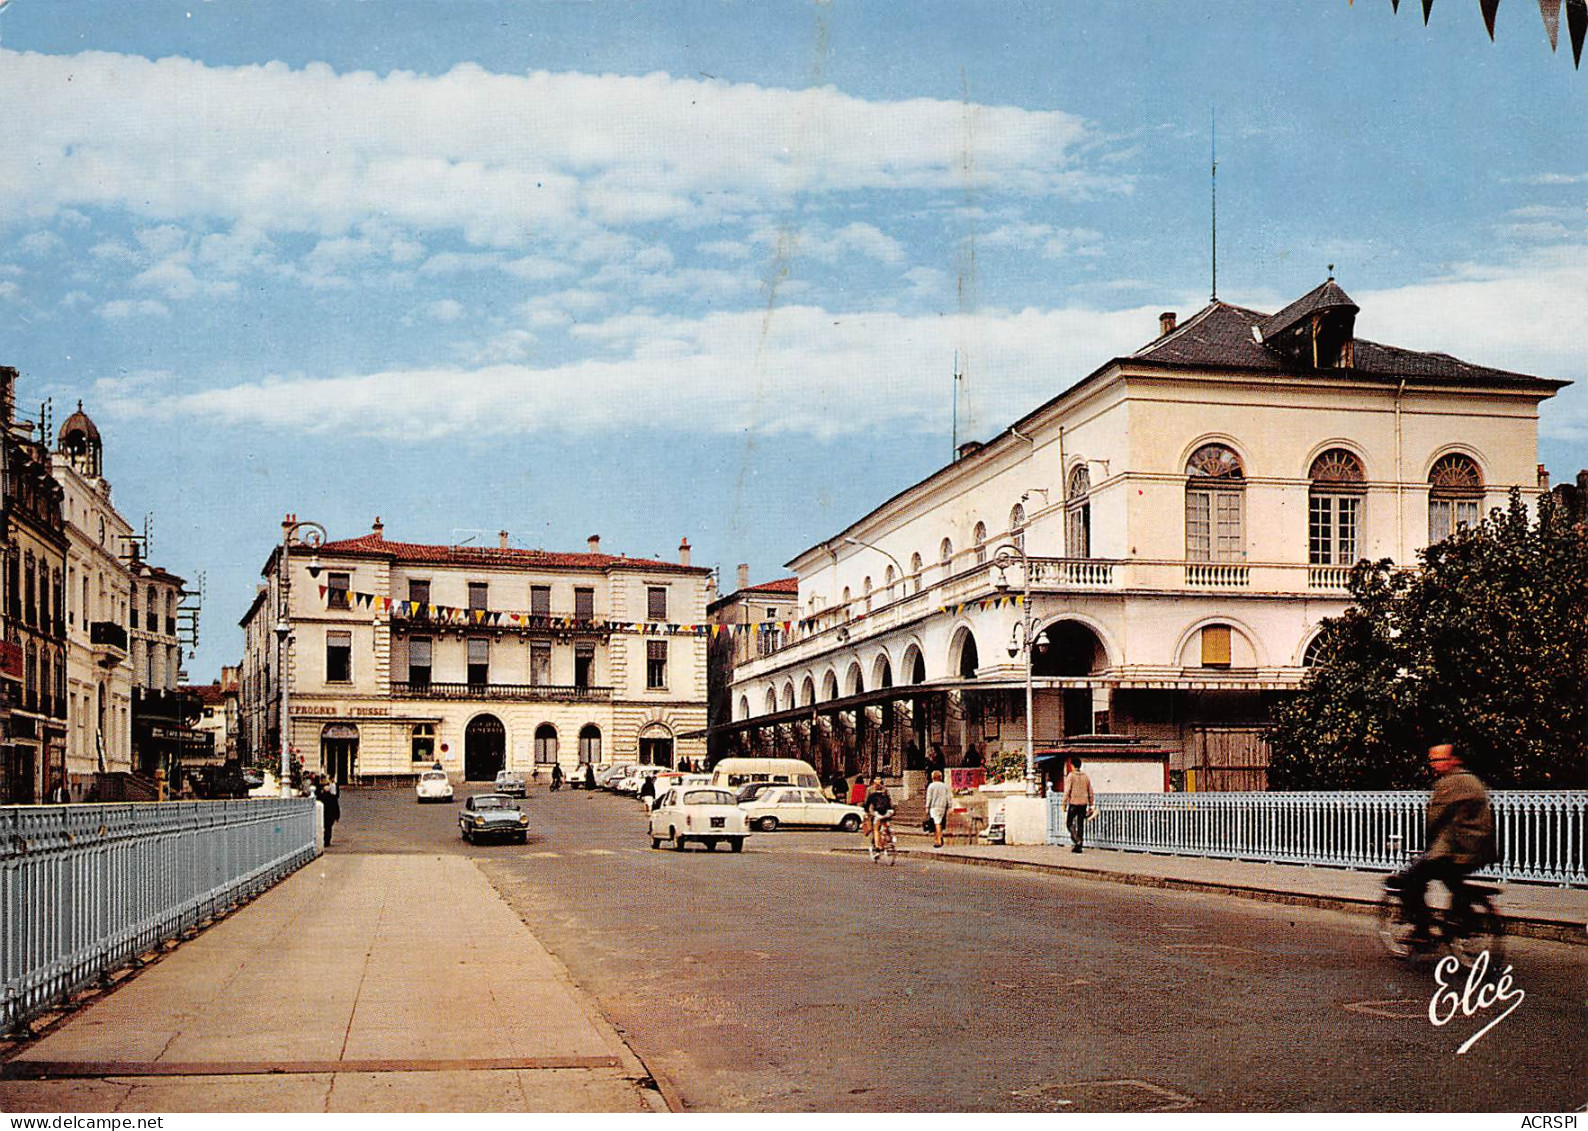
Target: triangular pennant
(1428, 7)
(1577, 24)
(1395, 5)
(323, 588)
(1489, 8)
(1550, 10)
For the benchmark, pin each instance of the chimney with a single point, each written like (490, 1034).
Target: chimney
(287, 524)
(683, 552)
(970, 447)
(1166, 322)
(501, 539)
(8, 396)
(595, 543)
(1543, 478)
(744, 575)
(379, 528)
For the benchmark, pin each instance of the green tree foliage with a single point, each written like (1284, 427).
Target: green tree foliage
(1486, 646)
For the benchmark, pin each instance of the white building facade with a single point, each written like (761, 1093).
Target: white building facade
(403, 655)
(1183, 520)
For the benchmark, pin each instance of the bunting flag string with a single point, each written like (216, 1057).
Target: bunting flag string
(449, 615)
(1576, 20)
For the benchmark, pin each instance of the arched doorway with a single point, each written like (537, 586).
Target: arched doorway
(1069, 648)
(484, 748)
(339, 751)
(656, 746)
(963, 654)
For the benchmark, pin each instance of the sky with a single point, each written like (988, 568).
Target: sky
(705, 270)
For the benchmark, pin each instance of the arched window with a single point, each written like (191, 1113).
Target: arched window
(744, 707)
(865, 589)
(1017, 525)
(945, 556)
(1314, 655)
(422, 742)
(1334, 508)
(848, 612)
(915, 571)
(829, 686)
(589, 745)
(1078, 514)
(545, 744)
(888, 579)
(808, 692)
(771, 701)
(1215, 506)
(979, 537)
(1455, 491)
(788, 696)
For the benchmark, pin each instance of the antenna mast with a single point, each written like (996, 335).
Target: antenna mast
(957, 375)
(1215, 204)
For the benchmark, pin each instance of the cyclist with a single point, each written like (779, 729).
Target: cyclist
(1460, 840)
(880, 806)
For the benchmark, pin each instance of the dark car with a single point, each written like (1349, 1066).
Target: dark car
(488, 815)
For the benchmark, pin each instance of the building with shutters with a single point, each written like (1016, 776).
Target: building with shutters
(401, 655)
(1183, 519)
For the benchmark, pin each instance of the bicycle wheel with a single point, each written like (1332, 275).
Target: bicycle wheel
(1393, 929)
(1484, 930)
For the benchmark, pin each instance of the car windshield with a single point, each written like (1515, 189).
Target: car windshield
(708, 797)
(493, 802)
(506, 776)
(435, 776)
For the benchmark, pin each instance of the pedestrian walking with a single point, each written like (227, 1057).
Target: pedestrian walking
(1078, 801)
(648, 790)
(589, 776)
(556, 777)
(938, 798)
(840, 787)
(857, 792)
(331, 807)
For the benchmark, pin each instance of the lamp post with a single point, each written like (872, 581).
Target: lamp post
(315, 538)
(857, 542)
(1003, 557)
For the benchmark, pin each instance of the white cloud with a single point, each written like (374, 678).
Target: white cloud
(798, 370)
(73, 299)
(40, 243)
(72, 218)
(445, 310)
(817, 241)
(9, 290)
(1053, 242)
(509, 345)
(134, 308)
(499, 157)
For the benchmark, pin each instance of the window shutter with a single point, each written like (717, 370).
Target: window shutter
(1216, 646)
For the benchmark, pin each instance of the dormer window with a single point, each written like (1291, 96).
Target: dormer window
(1317, 331)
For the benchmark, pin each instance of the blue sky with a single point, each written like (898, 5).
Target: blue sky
(699, 269)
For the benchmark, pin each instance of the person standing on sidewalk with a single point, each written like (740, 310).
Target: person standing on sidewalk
(857, 792)
(938, 797)
(1078, 800)
(330, 805)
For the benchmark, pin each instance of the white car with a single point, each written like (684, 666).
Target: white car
(703, 813)
(434, 785)
(609, 776)
(636, 776)
(795, 805)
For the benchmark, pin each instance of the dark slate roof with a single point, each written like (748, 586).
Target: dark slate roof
(1329, 296)
(1220, 335)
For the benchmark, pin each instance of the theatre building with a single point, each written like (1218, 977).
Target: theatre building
(402, 655)
(1177, 524)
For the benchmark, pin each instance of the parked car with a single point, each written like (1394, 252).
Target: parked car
(636, 778)
(791, 805)
(511, 783)
(607, 777)
(488, 815)
(433, 785)
(753, 789)
(703, 813)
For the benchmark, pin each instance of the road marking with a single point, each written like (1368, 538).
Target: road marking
(595, 852)
(546, 855)
(1111, 1095)
(1207, 949)
(1396, 1009)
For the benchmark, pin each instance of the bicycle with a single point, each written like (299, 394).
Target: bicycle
(1468, 927)
(882, 846)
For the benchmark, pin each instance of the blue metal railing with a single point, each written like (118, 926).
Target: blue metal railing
(85, 889)
(1540, 833)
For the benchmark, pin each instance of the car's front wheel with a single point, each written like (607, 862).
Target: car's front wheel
(468, 837)
(768, 824)
(850, 824)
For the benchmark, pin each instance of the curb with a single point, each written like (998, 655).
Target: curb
(1553, 930)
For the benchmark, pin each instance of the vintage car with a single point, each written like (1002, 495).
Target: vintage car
(794, 805)
(703, 813)
(488, 815)
(433, 785)
(511, 783)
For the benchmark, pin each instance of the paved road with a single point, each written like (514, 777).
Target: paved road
(792, 979)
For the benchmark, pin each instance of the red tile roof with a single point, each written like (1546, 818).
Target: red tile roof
(781, 585)
(209, 694)
(375, 546)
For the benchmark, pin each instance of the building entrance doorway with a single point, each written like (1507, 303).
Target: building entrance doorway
(484, 748)
(339, 751)
(656, 751)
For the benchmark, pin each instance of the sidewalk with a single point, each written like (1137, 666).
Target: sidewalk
(360, 983)
(1530, 909)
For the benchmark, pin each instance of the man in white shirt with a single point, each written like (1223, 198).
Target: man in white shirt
(1078, 801)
